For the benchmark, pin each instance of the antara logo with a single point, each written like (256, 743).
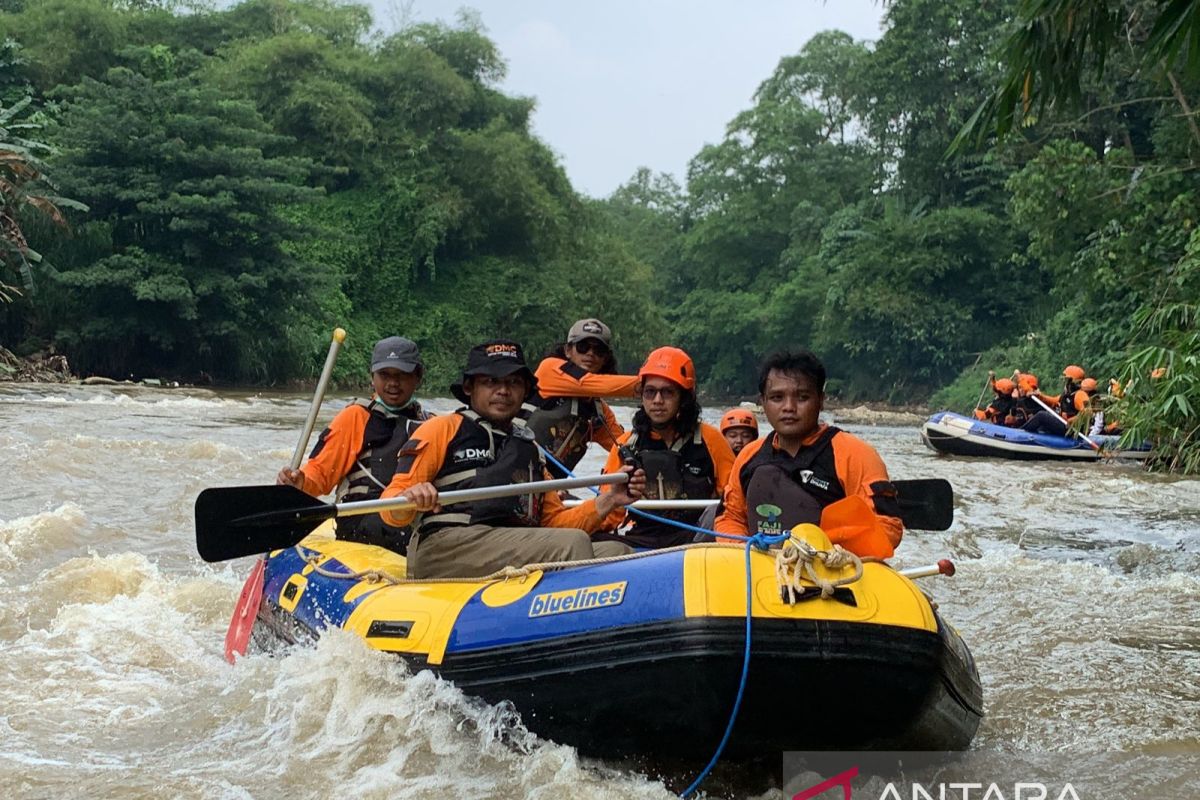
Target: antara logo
(941, 791)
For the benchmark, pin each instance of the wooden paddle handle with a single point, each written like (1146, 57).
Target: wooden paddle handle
(335, 344)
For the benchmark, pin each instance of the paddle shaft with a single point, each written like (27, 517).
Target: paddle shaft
(314, 408)
(983, 391)
(1066, 424)
(659, 505)
(482, 493)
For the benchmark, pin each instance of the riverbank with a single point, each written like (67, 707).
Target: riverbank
(38, 368)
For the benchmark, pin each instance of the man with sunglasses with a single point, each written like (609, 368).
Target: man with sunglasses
(357, 452)
(683, 458)
(566, 412)
(481, 444)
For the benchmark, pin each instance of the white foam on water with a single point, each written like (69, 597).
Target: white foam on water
(25, 537)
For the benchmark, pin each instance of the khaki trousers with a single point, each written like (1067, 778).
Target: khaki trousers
(471, 551)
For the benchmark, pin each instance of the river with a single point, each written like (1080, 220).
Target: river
(1078, 590)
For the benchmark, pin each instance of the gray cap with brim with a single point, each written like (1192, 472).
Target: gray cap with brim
(396, 352)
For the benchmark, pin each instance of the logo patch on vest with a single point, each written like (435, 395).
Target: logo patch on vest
(807, 476)
(769, 523)
(583, 599)
(471, 454)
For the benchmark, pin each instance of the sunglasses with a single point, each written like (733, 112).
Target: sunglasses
(585, 346)
(665, 392)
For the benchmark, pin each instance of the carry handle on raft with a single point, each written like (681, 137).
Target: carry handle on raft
(238, 521)
(925, 505)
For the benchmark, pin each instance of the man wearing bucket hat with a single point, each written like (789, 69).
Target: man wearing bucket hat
(486, 444)
(357, 452)
(567, 412)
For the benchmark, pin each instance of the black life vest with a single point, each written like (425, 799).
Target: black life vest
(1066, 401)
(683, 471)
(783, 491)
(481, 455)
(1000, 408)
(564, 426)
(384, 435)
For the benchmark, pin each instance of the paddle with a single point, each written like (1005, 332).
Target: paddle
(238, 521)
(990, 377)
(335, 344)
(925, 505)
(244, 613)
(1065, 424)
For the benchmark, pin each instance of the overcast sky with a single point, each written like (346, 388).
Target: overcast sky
(621, 84)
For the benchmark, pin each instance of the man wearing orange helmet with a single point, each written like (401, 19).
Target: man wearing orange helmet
(683, 457)
(739, 427)
(805, 466)
(1068, 405)
(999, 411)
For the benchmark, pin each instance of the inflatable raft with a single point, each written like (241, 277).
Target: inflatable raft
(643, 656)
(947, 432)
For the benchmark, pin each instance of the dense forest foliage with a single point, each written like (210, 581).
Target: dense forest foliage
(204, 193)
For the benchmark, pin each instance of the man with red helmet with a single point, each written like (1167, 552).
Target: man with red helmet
(683, 457)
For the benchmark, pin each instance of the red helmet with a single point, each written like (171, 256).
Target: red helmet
(1074, 373)
(1005, 386)
(739, 418)
(670, 363)
(1027, 381)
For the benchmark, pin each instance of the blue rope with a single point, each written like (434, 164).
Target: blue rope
(762, 542)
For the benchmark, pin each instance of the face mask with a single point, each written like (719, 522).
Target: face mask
(393, 409)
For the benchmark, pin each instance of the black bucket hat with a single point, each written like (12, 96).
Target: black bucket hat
(497, 358)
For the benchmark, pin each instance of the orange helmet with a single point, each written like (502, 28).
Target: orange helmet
(739, 418)
(1074, 373)
(1027, 381)
(670, 363)
(1158, 372)
(1005, 386)
(1088, 384)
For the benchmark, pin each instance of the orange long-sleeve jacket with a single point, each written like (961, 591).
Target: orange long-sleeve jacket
(859, 469)
(428, 449)
(558, 377)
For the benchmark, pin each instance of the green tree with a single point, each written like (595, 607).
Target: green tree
(181, 265)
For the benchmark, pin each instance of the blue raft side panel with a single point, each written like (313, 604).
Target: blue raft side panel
(653, 592)
(1017, 436)
(321, 605)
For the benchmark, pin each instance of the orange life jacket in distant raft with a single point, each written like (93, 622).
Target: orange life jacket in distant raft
(784, 491)
(479, 455)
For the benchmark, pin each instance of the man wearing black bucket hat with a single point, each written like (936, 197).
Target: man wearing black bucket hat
(485, 444)
(357, 452)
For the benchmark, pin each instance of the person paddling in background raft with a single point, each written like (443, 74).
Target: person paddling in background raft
(1068, 405)
(739, 427)
(566, 413)
(805, 466)
(684, 458)
(485, 444)
(357, 452)
(999, 411)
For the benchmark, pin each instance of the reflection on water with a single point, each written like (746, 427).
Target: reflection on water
(1077, 590)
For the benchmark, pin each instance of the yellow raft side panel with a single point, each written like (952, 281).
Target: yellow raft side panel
(714, 580)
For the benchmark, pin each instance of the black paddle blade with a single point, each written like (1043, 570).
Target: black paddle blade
(926, 505)
(238, 521)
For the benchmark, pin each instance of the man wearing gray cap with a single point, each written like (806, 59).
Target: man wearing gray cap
(357, 452)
